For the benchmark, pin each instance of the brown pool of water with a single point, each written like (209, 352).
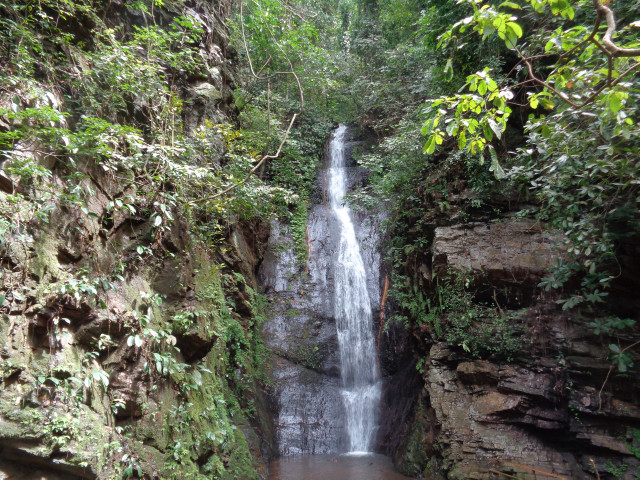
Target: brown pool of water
(334, 467)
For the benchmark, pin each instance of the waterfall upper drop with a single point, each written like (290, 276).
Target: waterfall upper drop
(352, 307)
(324, 394)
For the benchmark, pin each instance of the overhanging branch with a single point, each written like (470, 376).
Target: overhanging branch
(607, 40)
(258, 75)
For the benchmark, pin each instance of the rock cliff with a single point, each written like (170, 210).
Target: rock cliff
(555, 408)
(128, 344)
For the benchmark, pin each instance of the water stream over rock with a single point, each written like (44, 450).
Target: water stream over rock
(359, 372)
(326, 386)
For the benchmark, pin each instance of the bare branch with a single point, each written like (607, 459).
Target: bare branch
(609, 374)
(253, 170)
(244, 41)
(607, 40)
(257, 76)
(265, 65)
(543, 83)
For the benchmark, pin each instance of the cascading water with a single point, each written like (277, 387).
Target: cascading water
(359, 372)
(324, 371)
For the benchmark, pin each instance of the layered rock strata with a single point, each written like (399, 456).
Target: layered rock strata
(558, 408)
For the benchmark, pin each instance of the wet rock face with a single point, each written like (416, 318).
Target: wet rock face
(302, 336)
(311, 413)
(541, 415)
(481, 409)
(556, 405)
(301, 332)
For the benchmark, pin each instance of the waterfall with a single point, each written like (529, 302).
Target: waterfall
(359, 372)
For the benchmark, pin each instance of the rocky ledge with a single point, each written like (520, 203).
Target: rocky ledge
(557, 409)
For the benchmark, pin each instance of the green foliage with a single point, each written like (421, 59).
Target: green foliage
(182, 322)
(588, 190)
(610, 325)
(580, 161)
(129, 465)
(111, 77)
(617, 471)
(477, 118)
(397, 171)
(299, 232)
(488, 20)
(481, 330)
(309, 355)
(60, 429)
(634, 446)
(621, 359)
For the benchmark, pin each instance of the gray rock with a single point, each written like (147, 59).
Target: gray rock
(206, 92)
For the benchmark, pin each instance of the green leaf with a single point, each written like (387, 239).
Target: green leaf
(496, 127)
(430, 146)
(495, 167)
(615, 101)
(511, 40)
(546, 103)
(622, 364)
(515, 28)
(487, 132)
(462, 140)
(500, 24)
(448, 70)
(570, 13)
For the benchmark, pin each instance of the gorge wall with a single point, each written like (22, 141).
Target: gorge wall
(131, 319)
(128, 344)
(555, 406)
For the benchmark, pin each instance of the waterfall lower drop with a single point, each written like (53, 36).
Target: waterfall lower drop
(320, 415)
(359, 371)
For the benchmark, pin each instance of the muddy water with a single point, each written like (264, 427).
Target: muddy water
(334, 467)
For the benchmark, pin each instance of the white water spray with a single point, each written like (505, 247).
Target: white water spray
(360, 377)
